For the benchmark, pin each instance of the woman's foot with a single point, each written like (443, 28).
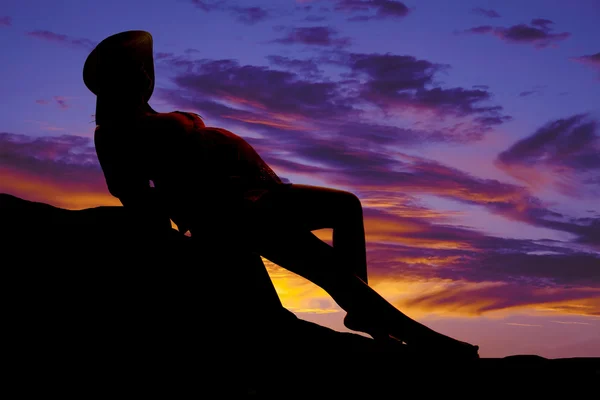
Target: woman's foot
(362, 325)
(429, 343)
(450, 349)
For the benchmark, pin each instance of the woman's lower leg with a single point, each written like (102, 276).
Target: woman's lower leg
(349, 237)
(311, 258)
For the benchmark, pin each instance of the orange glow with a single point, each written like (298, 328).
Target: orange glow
(290, 121)
(421, 298)
(241, 101)
(383, 230)
(272, 124)
(277, 120)
(297, 294)
(64, 195)
(430, 260)
(392, 206)
(386, 231)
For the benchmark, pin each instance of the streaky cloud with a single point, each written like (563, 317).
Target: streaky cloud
(62, 39)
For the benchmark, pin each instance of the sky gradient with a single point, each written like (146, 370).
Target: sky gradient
(469, 130)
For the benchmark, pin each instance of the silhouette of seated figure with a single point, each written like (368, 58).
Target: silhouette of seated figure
(214, 184)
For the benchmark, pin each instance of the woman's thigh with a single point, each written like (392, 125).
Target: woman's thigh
(305, 206)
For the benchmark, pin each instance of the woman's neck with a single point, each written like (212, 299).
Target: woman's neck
(118, 111)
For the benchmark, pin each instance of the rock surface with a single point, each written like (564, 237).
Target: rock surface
(94, 304)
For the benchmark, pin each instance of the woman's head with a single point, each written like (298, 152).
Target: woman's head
(120, 72)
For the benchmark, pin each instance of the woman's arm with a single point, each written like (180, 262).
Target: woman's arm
(126, 182)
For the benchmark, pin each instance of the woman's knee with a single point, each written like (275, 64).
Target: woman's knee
(351, 202)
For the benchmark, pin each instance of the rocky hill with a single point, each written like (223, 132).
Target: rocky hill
(94, 305)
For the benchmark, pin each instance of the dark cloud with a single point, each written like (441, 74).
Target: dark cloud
(479, 29)
(5, 21)
(250, 15)
(372, 9)
(542, 270)
(436, 251)
(313, 36)
(396, 71)
(210, 5)
(592, 60)
(366, 170)
(306, 130)
(245, 15)
(486, 12)
(319, 15)
(370, 134)
(538, 33)
(569, 148)
(542, 23)
(288, 93)
(305, 98)
(527, 93)
(49, 155)
(489, 273)
(307, 67)
(534, 90)
(63, 39)
(315, 18)
(305, 8)
(394, 81)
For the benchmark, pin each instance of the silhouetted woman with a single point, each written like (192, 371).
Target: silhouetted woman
(212, 182)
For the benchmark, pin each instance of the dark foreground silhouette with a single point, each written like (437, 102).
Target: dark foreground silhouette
(210, 181)
(138, 317)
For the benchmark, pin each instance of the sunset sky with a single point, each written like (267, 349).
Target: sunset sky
(468, 129)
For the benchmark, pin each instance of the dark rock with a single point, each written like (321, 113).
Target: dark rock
(94, 303)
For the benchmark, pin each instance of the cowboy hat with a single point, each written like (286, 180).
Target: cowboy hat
(121, 61)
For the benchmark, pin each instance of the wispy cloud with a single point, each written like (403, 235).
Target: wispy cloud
(312, 36)
(209, 5)
(244, 14)
(536, 90)
(5, 21)
(365, 10)
(592, 60)
(250, 15)
(571, 323)
(60, 101)
(62, 39)
(564, 153)
(539, 33)
(486, 12)
(482, 298)
(388, 86)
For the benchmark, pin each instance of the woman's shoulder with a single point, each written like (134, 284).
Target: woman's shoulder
(168, 119)
(175, 120)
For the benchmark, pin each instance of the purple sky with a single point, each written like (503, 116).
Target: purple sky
(470, 131)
